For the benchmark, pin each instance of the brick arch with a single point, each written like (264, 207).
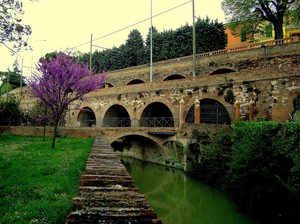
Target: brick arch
(116, 115)
(84, 105)
(86, 117)
(173, 77)
(222, 70)
(121, 135)
(135, 82)
(117, 102)
(173, 109)
(212, 96)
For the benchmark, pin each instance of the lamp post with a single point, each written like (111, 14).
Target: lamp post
(151, 37)
(21, 79)
(194, 40)
(32, 56)
(265, 54)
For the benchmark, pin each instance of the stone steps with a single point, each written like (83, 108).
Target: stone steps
(107, 193)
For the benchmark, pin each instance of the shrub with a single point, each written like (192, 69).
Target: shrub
(264, 170)
(9, 112)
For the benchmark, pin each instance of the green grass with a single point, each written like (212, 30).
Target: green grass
(37, 183)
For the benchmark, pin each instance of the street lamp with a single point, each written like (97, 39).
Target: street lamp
(151, 46)
(265, 54)
(32, 56)
(194, 40)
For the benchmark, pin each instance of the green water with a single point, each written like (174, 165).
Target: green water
(180, 199)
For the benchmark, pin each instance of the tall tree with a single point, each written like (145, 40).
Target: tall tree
(210, 35)
(247, 14)
(135, 47)
(12, 30)
(11, 79)
(59, 82)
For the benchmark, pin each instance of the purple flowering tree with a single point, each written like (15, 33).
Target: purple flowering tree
(59, 82)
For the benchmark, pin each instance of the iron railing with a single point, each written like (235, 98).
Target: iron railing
(117, 122)
(157, 122)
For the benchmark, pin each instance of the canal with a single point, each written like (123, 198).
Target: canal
(178, 198)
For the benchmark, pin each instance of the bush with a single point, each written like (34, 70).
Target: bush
(9, 112)
(264, 170)
(215, 157)
(258, 165)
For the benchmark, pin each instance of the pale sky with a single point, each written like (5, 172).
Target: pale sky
(61, 24)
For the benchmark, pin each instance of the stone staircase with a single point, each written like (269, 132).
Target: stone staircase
(107, 193)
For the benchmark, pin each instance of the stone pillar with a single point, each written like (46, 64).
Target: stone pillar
(197, 112)
(181, 113)
(237, 107)
(251, 110)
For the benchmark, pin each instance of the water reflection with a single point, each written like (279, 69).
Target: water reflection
(180, 199)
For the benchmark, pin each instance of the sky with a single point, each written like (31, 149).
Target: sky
(58, 25)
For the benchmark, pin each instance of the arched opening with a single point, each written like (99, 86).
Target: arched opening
(211, 112)
(174, 77)
(189, 118)
(108, 85)
(139, 147)
(86, 117)
(157, 115)
(135, 81)
(116, 116)
(222, 71)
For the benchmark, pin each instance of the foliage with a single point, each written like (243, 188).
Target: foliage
(61, 81)
(37, 184)
(11, 79)
(135, 48)
(40, 114)
(264, 171)
(166, 45)
(248, 14)
(229, 96)
(12, 30)
(258, 164)
(296, 110)
(215, 157)
(10, 112)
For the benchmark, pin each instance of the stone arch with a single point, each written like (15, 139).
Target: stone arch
(86, 117)
(174, 77)
(108, 85)
(139, 147)
(157, 114)
(116, 116)
(135, 81)
(211, 112)
(222, 71)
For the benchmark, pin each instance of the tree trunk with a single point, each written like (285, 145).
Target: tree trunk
(54, 135)
(278, 32)
(278, 27)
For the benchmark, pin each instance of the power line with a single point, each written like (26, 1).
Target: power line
(134, 24)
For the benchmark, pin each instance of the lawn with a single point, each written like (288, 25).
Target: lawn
(37, 183)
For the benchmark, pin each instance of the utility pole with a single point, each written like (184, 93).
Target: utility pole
(21, 80)
(91, 48)
(194, 40)
(151, 37)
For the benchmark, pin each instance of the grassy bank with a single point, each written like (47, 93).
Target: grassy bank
(37, 183)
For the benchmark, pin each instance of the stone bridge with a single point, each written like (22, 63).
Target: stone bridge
(249, 83)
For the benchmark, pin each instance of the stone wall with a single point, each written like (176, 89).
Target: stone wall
(271, 88)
